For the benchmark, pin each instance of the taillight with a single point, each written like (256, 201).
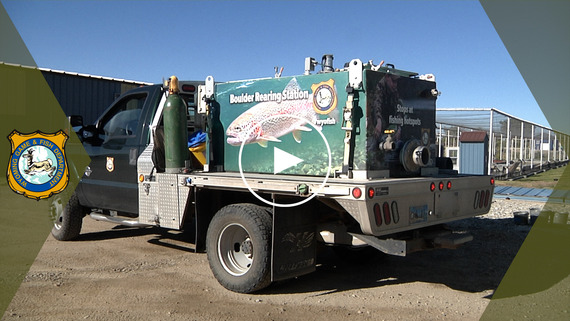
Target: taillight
(377, 214)
(487, 198)
(395, 213)
(476, 200)
(356, 192)
(482, 199)
(386, 210)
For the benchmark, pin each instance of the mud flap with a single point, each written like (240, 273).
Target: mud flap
(204, 212)
(294, 242)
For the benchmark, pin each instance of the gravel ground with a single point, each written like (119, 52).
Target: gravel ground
(114, 273)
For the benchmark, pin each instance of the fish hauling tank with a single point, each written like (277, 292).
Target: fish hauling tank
(365, 120)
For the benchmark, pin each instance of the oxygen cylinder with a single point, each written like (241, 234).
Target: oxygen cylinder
(175, 129)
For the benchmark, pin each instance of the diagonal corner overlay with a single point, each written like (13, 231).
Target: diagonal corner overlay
(537, 284)
(28, 106)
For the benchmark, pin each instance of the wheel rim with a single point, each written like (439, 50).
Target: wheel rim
(235, 249)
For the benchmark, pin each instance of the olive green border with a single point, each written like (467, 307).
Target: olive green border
(533, 32)
(536, 285)
(27, 105)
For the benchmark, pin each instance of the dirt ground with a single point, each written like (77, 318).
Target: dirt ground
(115, 273)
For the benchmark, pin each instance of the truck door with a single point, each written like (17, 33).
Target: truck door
(111, 180)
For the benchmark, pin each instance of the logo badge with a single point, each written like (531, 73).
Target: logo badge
(38, 168)
(324, 97)
(110, 164)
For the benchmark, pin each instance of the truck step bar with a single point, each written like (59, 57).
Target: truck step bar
(117, 220)
(400, 247)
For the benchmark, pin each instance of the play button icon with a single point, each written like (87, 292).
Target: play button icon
(283, 160)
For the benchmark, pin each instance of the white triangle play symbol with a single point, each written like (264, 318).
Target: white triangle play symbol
(283, 160)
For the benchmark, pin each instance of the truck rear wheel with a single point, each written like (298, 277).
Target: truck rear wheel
(67, 220)
(238, 245)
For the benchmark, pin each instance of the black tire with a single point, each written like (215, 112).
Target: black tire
(238, 246)
(67, 220)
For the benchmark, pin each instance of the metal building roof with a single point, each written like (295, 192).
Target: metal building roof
(473, 137)
(79, 74)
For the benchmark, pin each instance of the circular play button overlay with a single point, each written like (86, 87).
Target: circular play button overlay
(284, 159)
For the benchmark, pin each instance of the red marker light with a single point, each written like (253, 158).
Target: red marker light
(448, 184)
(371, 192)
(190, 88)
(441, 186)
(432, 187)
(492, 181)
(356, 192)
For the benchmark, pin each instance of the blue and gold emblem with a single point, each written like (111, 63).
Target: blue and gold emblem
(324, 97)
(38, 167)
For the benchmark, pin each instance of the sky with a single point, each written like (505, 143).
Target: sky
(232, 40)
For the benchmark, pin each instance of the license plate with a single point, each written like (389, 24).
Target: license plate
(418, 214)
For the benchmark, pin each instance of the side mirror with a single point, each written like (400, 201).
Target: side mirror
(90, 134)
(75, 120)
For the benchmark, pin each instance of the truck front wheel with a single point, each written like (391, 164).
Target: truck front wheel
(238, 245)
(67, 220)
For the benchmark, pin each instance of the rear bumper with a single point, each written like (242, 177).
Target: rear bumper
(398, 206)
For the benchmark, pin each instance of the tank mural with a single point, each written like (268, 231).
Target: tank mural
(393, 123)
(284, 113)
(400, 123)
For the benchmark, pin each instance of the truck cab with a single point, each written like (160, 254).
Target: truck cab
(115, 142)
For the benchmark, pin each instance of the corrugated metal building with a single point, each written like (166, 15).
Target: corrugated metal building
(83, 94)
(86, 95)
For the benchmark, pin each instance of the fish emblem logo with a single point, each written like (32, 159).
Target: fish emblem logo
(267, 121)
(37, 167)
